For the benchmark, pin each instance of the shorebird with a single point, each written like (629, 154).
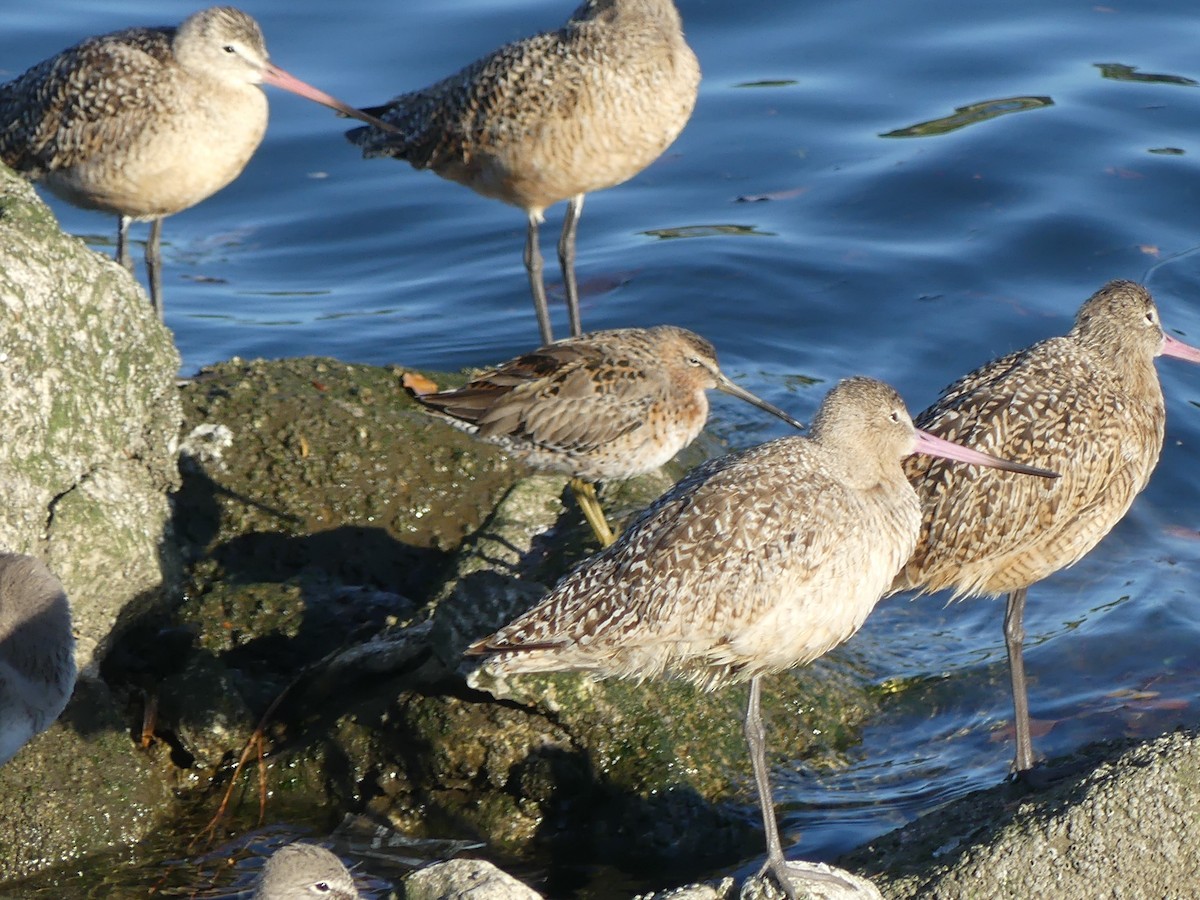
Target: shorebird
(551, 118)
(37, 660)
(301, 871)
(145, 122)
(609, 404)
(754, 563)
(1087, 405)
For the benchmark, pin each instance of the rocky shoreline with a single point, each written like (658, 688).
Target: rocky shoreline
(290, 556)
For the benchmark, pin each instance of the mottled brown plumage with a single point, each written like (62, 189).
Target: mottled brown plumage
(551, 118)
(609, 404)
(37, 662)
(1087, 405)
(752, 564)
(145, 122)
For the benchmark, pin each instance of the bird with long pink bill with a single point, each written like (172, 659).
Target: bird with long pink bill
(552, 117)
(1087, 405)
(145, 122)
(752, 564)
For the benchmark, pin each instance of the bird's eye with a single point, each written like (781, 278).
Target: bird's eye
(322, 887)
(693, 360)
(895, 416)
(229, 48)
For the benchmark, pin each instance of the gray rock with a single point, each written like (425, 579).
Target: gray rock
(465, 879)
(724, 890)
(91, 419)
(1127, 828)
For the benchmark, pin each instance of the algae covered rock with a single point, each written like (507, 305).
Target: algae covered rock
(76, 788)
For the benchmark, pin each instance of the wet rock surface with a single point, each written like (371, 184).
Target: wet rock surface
(75, 788)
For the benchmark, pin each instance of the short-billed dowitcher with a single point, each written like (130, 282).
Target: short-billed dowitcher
(610, 404)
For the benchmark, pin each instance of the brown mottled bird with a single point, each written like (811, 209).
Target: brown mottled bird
(37, 662)
(752, 564)
(145, 122)
(1087, 405)
(551, 118)
(609, 404)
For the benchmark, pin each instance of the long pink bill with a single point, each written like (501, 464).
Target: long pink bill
(1179, 350)
(273, 75)
(936, 446)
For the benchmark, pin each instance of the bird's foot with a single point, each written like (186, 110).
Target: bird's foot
(799, 880)
(1044, 776)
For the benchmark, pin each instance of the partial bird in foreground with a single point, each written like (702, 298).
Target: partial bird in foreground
(754, 563)
(301, 871)
(1087, 405)
(146, 122)
(551, 118)
(37, 651)
(609, 404)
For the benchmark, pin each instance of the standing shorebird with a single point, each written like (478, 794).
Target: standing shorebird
(301, 871)
(752, 564)
(1087, 405)
(37, 660)
(145, 122)
(551, 118)
(610, 404)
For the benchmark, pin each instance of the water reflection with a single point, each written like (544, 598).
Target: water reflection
(969, 115)
(1119, 72)
(694, 231)
(769, 83)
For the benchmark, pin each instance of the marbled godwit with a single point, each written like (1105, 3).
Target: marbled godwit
(551, 118)
(610, 404)
(145, 122)
(37, 662)
(1087, 405)
(300, 871)
(752, 564)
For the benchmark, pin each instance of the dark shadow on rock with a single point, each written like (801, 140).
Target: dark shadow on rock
(197, 514)
(585, 819)
(352, 555)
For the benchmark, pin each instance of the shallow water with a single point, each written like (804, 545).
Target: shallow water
(903, 190)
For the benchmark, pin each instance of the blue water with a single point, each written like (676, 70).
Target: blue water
(887, 246)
